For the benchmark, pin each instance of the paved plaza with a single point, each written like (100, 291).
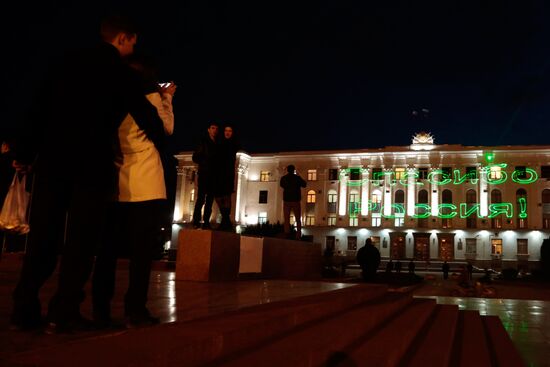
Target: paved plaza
(527, 321)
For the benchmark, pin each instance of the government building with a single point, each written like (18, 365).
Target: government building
(427, 202)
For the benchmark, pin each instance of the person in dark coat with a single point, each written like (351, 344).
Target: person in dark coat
(206, 155)
(228, 146)
(292, 185)
(445, 268)
(368, 257)
(69, 143)
(411, 267)
(389, 266)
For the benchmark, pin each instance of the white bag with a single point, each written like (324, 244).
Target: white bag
(13, 217)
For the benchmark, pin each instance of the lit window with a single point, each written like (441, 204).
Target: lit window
(264, 176)
(496, 173)
(310, 220)
(399, 173)
(376, 221)
(262, 217)
(311, 196)
(353, 221)
(376, 200)
(496, 246)
(399, 221)
(331, 220)
(312, 175)
(352, 243)
(192, 195)
(332, 198)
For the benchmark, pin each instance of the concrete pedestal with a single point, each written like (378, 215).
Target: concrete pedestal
(207, 255)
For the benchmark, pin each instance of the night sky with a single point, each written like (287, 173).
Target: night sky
(328, 75)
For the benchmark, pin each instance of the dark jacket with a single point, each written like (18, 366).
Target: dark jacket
(205, 155)
(74, 121)
(292, 185)
(227, 155)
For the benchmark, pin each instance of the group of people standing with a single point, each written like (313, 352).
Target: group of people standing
(96, 149)
(215, 156)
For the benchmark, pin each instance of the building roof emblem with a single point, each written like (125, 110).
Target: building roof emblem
(422, 141)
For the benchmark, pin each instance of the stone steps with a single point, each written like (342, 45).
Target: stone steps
(362, 325)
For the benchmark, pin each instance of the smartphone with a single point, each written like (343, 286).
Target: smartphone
(165, 85)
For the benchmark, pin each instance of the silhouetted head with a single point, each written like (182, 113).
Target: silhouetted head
(368, 242)
(290, 168)
(120, 32)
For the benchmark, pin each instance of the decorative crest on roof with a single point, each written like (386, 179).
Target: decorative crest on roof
(423, 141)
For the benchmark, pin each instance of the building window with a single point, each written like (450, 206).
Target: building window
(545, 172)
(192, 195)
(422, 199)
(400, 173)
(471, 172)
(333, 174)
(331, 221)
(377, 175)
(353, 221)
(523, 248)
(311, 196)
(354, 205)
(263, 197)
(355, 174)
(495, 173)
(546, 208)
(312, 175)
(376, 200)
(264, 176)
(521, 202)
(471, 199)
(422, 173)
(446, 198)
(471, 246)
(496, 246)
(292, 220)
(332, 198)
(399, 221)
(521, 172)
(447, 172)
(310, 220)
(352, 243)
(262, 217)
(376, 221)
(496, 198)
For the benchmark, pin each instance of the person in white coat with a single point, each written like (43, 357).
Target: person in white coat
(137, 208)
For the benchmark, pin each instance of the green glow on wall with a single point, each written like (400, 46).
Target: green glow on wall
(524, 181)
(466, 211)
(445, 177)
(397, 209)
(497, 209)
(354, 208)
(503, 174)
(451, 207)
(458, 179)
(426, 214)
(522, 207)
(489, 156)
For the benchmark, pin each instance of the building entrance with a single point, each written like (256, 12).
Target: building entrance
(422, 247)
(397, 245)
(446, 246)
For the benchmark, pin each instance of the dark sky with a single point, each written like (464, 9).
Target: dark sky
(328, 75)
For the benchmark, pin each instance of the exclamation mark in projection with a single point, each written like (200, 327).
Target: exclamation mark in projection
(522, 208)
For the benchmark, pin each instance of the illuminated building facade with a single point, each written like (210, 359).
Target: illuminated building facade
(488, 205)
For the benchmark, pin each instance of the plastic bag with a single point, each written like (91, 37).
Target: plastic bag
(13, 217)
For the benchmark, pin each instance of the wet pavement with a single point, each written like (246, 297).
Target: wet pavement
(527, 321)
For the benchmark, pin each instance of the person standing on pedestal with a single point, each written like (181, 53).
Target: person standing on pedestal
(292, 185)
(205, 155)
(228, 146)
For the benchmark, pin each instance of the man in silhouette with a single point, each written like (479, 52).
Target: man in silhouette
(292, 185)
(70, 145)
(368, 257)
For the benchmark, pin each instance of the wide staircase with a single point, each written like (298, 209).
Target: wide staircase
(362, 325)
